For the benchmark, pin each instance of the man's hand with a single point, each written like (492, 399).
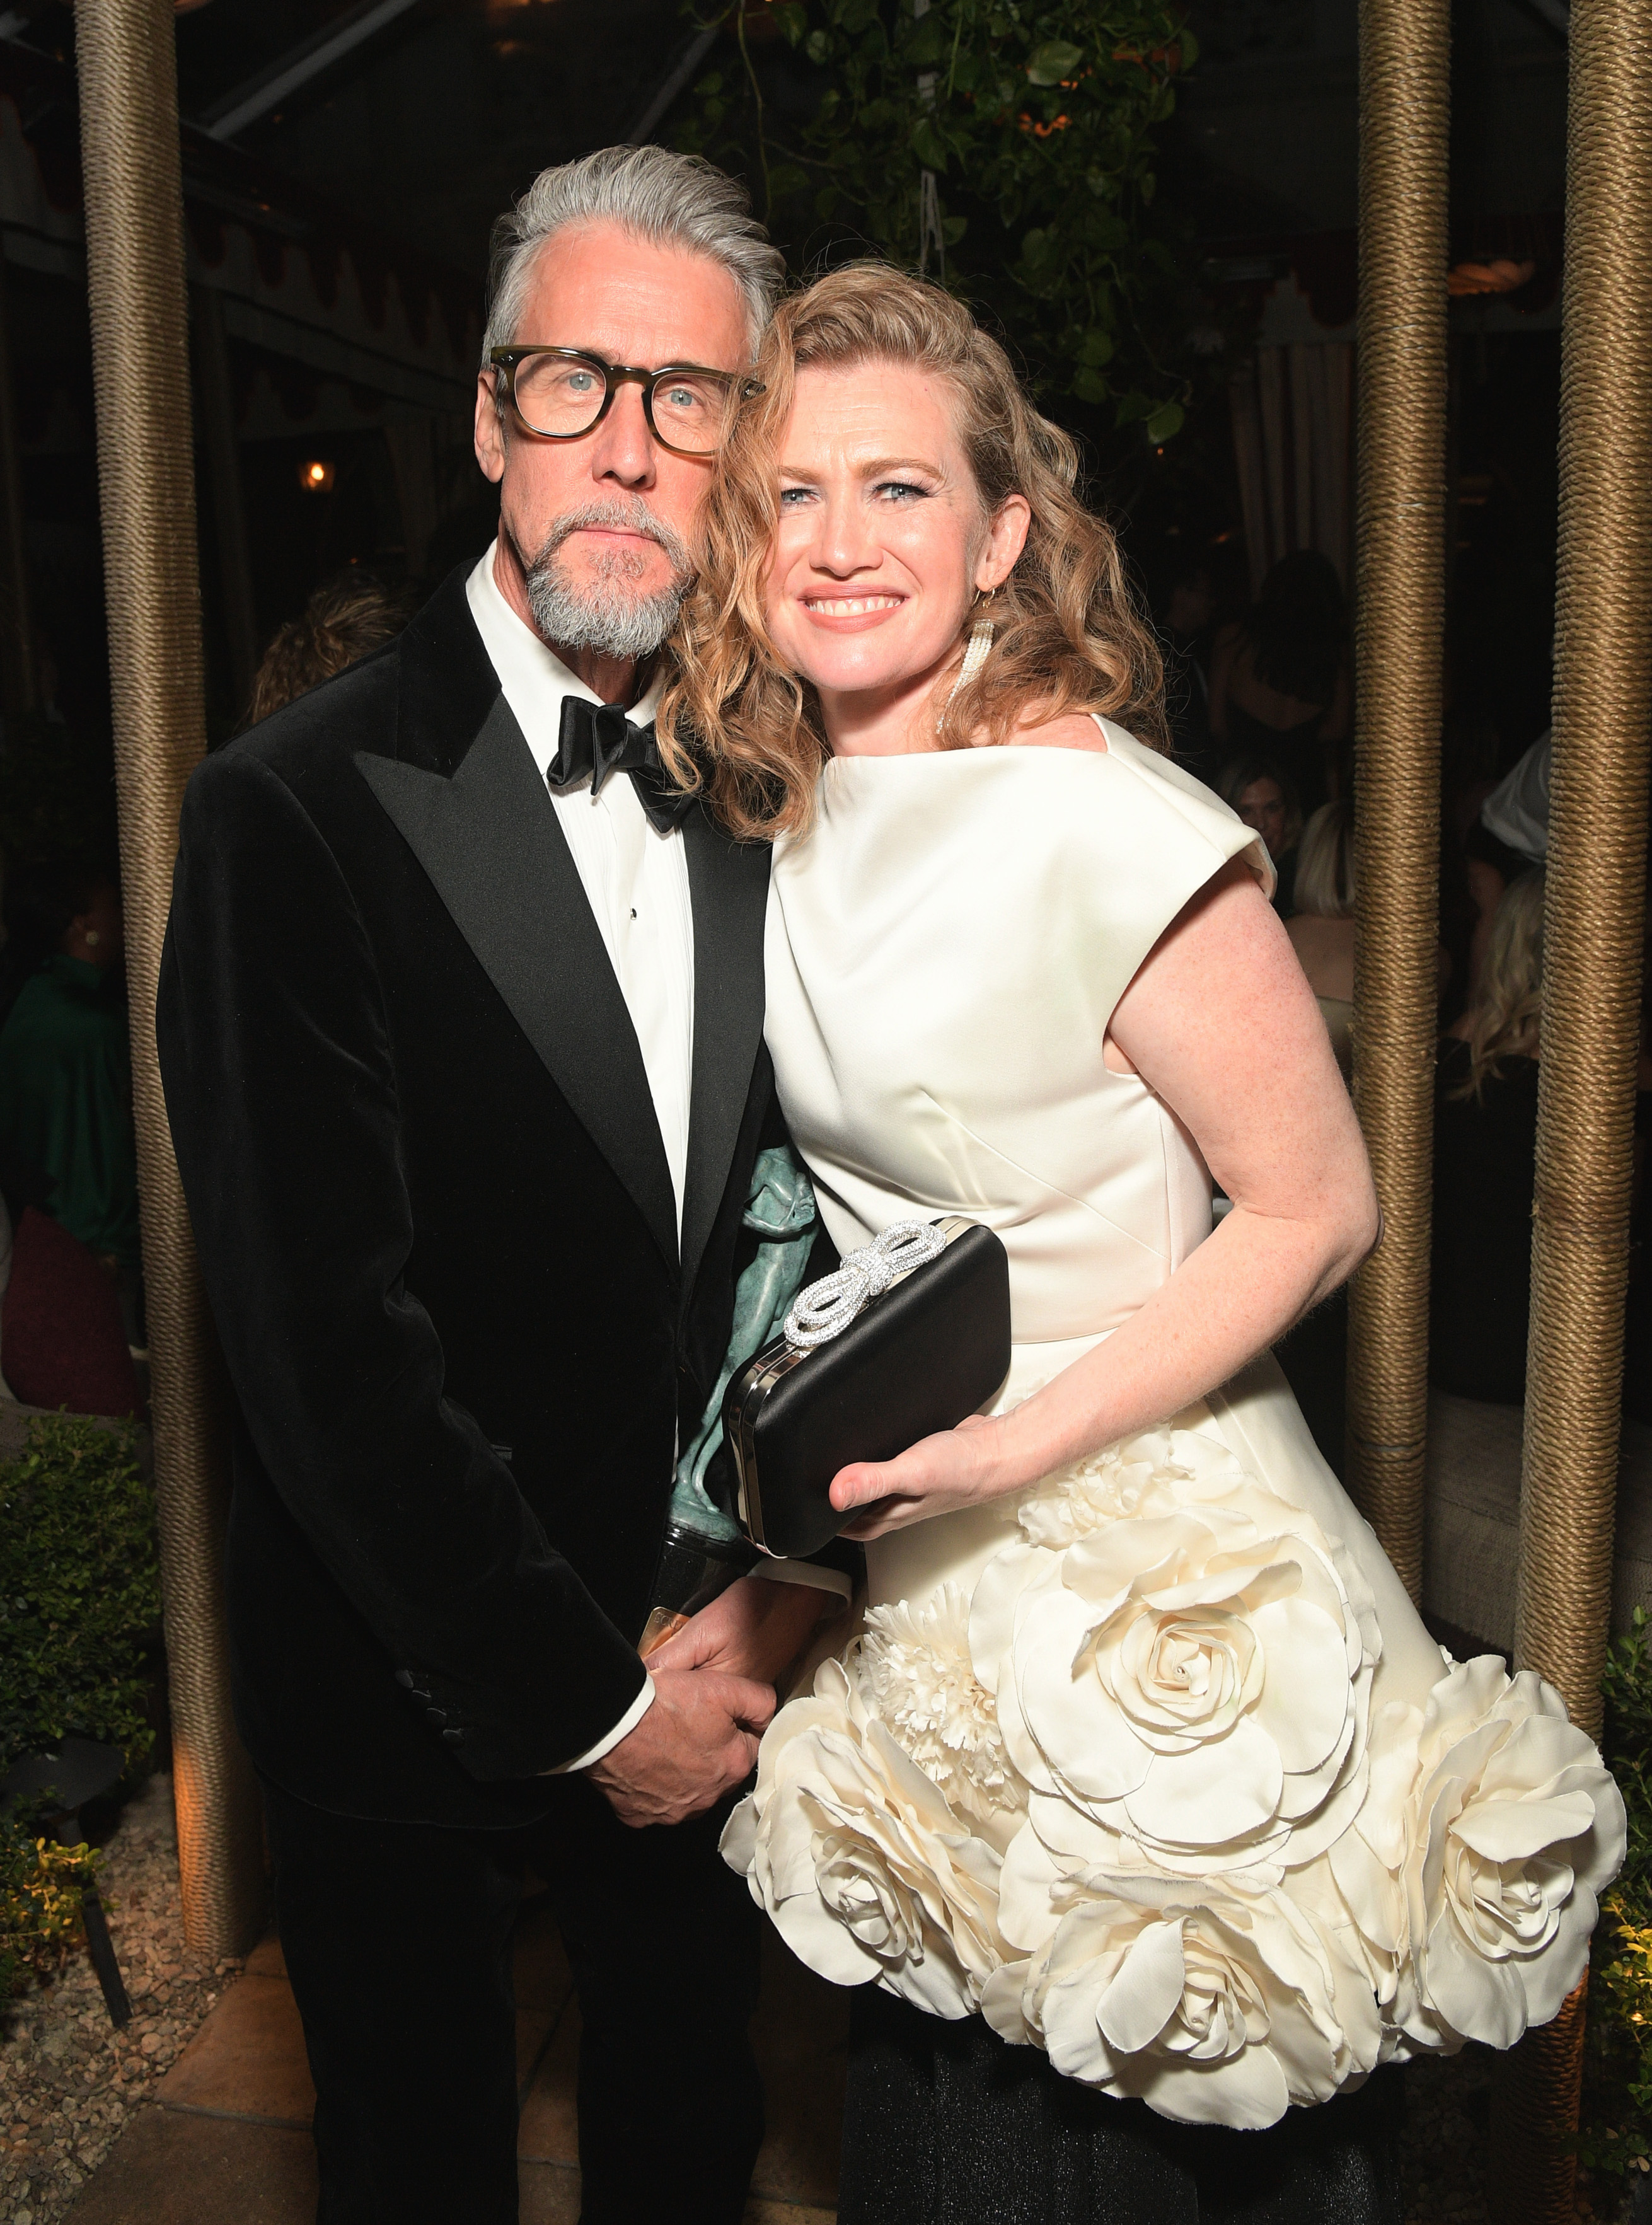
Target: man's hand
(698, 1739)
(754, 1628)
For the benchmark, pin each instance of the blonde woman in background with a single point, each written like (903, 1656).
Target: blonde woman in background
(1486, 1162)
(1321, 929)
(1119, 1815)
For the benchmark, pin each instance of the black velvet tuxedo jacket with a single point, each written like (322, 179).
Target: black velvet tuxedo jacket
(439, 1234)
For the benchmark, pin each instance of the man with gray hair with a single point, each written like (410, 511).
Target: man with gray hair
(461, 1028)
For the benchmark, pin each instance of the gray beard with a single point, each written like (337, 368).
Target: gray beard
(608, 614)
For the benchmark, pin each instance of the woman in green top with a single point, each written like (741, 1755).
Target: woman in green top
(66, 1075)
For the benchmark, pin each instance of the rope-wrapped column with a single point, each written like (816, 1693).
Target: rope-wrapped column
(135, 258)
(1595, 898)
(1404, 99)
(1591, 978)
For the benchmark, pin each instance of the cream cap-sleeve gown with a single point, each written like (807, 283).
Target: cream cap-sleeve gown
(1153, 1767)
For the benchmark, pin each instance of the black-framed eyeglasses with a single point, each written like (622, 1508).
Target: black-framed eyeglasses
(561, 392)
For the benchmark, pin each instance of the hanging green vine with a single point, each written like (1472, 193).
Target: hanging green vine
(1006, 147)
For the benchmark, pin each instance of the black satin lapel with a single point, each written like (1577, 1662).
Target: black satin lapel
(489, 842)
(728, 885)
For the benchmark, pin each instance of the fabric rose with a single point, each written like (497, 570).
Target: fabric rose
(1213, 2006)
(1182, 1673)
(912, 1669)
(1482, 1882)
(868, 1872)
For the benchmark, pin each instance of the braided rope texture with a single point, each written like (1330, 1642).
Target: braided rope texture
(1598, 826)
(1532, 2164)
(1404, 98)
(135, 258)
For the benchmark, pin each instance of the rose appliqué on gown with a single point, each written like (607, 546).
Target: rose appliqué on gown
(1129, 1799)
(867, 1868)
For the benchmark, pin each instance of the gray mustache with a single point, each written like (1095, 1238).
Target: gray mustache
(619, 518)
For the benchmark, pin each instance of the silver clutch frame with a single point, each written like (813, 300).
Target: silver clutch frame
(772, 1365)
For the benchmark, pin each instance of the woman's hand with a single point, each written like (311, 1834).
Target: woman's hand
(958, 1467)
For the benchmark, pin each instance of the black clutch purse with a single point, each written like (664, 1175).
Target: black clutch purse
(905, 1339)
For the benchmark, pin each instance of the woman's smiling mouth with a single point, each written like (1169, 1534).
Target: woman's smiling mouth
(850, 606)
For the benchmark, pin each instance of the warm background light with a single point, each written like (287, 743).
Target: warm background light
(1498, 276)
(317, 478)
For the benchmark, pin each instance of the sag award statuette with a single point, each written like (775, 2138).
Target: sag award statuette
(705, 1550)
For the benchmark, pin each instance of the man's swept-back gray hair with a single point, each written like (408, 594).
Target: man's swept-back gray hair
(678, 200)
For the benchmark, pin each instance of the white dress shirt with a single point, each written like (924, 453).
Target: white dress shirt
(635, 880)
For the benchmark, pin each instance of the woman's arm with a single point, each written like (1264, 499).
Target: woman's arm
(1221, 1024)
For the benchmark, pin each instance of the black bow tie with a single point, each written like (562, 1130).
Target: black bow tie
(597, 738)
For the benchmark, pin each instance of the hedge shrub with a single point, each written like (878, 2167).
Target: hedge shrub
(79, 1590)
(1616, 2129)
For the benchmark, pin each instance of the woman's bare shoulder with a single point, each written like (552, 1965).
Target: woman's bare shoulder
(1075, 731)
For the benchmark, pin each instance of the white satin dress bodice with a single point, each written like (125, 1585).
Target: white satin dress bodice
(1143, 1763)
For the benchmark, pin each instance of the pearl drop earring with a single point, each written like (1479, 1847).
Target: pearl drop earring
(976, 655)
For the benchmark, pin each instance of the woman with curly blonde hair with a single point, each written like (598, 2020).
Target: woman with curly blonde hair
(1125, 1813)
(1066, 636)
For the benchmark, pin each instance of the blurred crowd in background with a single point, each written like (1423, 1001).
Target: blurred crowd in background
(73, 1327)
(1260, 704)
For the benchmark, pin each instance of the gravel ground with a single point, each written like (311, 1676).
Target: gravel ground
(68, 2081)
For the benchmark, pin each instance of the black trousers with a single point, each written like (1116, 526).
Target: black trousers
(397, 1941)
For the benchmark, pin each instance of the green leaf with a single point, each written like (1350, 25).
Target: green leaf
(1189, 45)
(1056, 60)
(1165, 422)
(1090, 385)
(1104, 231)
(710, 84)
(1132, 409)
(1095, 349)
(953, 229)
(793, 19)
(826, 203)
(818, 48)
(926, 44)
(928, 145)
(785, 178)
